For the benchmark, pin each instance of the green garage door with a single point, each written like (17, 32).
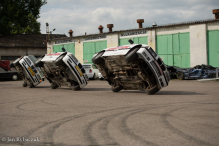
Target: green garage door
(213, 47)
(91, 48)
(68, 47)
(137, 40)
(174, 49)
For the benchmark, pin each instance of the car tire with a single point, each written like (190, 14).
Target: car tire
(76, 88)
(14, 77)
(213, 76)
(132, 55)
(180, 75)
(31, 85)
(11, 65)
(39, 63)
(152, 90)
(116, 88)
(94, 77)
(98, 59)
(54, 86)
(59, 60)
(24, 84)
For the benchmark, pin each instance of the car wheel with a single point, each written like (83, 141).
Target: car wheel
(59, 60)
(39, 63)
(98, 59)
(180, 75)
(94, 77)
(24, 84)
(14, 77)
(54, 86)
(11, 65)
(116, 88)
(132, 55)
(213, 76)
(152, 90)
(31, 85)
(76, 88)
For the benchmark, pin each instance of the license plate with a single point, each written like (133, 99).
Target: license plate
(33, 74)
(78, 69)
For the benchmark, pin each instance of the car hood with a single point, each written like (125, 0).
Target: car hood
(120, 50)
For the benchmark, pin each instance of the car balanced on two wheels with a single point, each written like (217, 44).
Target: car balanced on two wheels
(63, 69)
(30, 74)
(132, 67)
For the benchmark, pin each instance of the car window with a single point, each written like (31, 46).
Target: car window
(94, 66)
(32, 58)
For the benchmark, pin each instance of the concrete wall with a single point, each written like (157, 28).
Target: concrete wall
(112, 40)
(152, 38)
(198, 44)
(22, 51)
(79, 50)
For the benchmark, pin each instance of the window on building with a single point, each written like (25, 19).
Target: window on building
(9, 57)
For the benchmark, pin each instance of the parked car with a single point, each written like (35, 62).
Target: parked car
(63, 69)
(31, 75)
(132, 67)
(197, 72)
(100, 76)
(91, 71)
(7, 73)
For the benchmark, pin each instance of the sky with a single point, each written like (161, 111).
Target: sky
(87, 15)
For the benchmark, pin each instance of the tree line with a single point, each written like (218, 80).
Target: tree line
(20, 16)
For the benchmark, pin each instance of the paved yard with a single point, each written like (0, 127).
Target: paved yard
(184, 113)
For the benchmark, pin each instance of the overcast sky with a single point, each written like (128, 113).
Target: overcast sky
(86, 15)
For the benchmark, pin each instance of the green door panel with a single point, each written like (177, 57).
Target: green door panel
(213, 47)
(174, 49)
(168, 59)
(184, 38)
(176, 44)
(91, 48)
(124, 41)
(185, 60)
(177, 60)
(137, 40)
(68, 47)
(57, 48)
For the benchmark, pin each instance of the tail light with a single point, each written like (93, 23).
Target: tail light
(90, 71)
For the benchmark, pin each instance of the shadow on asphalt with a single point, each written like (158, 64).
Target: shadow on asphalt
(178, 93)
(167, 92)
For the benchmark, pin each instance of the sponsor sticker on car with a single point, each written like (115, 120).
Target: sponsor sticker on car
(78, 69)
(31, 71)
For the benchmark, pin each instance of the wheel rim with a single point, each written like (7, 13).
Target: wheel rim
(14, 77)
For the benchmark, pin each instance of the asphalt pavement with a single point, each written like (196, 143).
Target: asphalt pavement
(186, 113)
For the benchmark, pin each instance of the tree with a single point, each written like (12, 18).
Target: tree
(20, 16)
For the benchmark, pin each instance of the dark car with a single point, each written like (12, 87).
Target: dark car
(197, 72)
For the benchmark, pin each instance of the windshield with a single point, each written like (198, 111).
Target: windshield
(32, 58)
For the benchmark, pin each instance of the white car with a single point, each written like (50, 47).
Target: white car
(31, 75)
(100, 76)
(91, 71)
(132, 67)
(63, 69)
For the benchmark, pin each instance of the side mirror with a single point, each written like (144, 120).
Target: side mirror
(131, 41)
(63, 49)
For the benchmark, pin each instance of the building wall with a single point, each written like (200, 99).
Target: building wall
(22, 51)
(198, 44)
